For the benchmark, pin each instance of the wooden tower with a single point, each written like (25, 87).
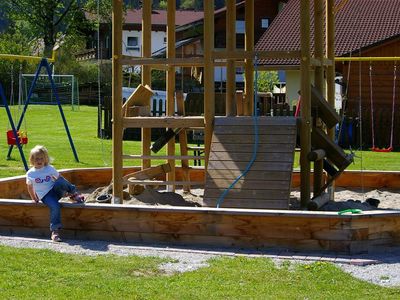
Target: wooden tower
(322, 62)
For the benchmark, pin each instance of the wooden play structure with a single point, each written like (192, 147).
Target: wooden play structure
(316, 127)
(255, 151)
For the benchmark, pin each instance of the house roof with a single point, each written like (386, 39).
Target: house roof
(159, 17)
(200, 20)
(359, 24)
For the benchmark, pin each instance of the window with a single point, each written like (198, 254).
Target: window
(240, 26)
(264, 23)
(132, 43)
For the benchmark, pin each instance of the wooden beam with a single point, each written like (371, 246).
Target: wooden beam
(319, 80)
(183, 143)
(209, 93)
(245, 54)
(230, 107)
(116, 101)
(330, 52)
(163, 122)
(305, 129)
(181, 157)
(170, 109)
(249, 46)
(175, 61)
(146, 74)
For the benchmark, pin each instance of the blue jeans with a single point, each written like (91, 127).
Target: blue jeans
(60, 188)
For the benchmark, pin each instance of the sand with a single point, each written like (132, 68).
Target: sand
(344, 198)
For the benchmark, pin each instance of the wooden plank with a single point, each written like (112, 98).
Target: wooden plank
(253, 175)
(259, 166)
(250, 139)
(262, 121)
(263, 130)
(248, 194)
(162, 182)
(163, 122)
(243, 157)
(248, 148)
(246, 184)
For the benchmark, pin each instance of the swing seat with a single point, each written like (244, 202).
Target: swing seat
(11, 140)
(376, 149)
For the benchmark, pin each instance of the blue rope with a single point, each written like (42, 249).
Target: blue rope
(256, 139)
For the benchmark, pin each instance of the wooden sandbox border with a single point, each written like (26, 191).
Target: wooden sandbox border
(368, 232)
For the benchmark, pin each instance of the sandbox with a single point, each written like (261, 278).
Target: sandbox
(294, 230)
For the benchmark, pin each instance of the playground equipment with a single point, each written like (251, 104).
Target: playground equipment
(333, 158)
(43, 63)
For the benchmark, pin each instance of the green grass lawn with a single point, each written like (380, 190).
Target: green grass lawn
(43, 274)
(44, 126)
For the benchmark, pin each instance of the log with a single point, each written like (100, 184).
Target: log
(318, 202)
(317, 154)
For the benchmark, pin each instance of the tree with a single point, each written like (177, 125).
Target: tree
(47, 20)
(267, 80)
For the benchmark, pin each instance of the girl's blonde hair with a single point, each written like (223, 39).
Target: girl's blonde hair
(39, 149)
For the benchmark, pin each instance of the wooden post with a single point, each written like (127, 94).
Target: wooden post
(180, 104)
(305, 130)
(330, 71)
(170, 109)
(239, 103)
(209, 92)
(117, 102)
(319, 81)
(249, 46)
(230, 64)
(146, 74)
(330, 50)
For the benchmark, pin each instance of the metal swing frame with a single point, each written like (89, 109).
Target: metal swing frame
(43, 63)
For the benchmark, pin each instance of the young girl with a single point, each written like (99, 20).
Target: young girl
(45, 183)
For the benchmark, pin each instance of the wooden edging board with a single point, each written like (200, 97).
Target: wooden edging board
(261, 229)
(293, 230)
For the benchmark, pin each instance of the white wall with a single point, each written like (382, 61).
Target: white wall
(157, 41)
(220, 75)
(293, 84)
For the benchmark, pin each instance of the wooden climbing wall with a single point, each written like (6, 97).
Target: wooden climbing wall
(267, 184)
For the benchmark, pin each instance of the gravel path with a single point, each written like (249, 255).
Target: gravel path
(382, 269)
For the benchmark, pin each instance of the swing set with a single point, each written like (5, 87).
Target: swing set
(16, 136)
(390, 148)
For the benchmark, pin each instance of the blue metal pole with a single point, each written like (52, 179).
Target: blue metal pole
(53, 87)
(26, 103)
(3, 97)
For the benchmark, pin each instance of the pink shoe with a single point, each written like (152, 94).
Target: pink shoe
(55, 236)
(78, 198)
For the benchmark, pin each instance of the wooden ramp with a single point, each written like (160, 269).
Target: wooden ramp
(267, 184)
